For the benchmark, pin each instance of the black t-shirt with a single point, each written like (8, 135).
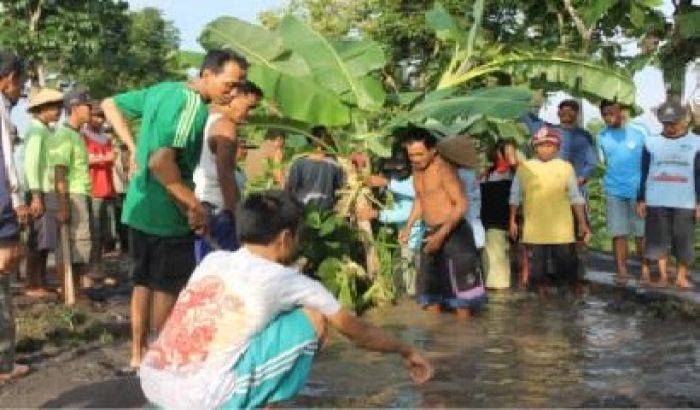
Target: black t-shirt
(314, 182)
(495, 209)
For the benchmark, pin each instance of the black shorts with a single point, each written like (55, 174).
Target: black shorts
(163, 263)
(673, 228)
(555, 263)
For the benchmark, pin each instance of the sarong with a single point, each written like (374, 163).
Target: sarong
(451, 276)
(276, 364)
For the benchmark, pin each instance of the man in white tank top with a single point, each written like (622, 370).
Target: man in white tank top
(215, 183)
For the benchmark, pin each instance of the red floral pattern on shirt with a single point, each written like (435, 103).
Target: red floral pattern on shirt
(184, 342)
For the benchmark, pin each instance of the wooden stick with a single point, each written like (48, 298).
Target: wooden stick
(61, 186)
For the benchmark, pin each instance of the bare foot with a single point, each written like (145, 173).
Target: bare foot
(111, 281)
(621, 278)
(19, 371)
(662, 282)
(645, 279)
(463, 313)
(684, 284)
(38, 293)
(433, 309)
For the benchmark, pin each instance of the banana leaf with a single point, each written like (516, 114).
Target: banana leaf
(284, 76)
(498, 102)
(342, 66)
(578, 77)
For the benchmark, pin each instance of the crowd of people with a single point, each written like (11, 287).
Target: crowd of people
(219, 316)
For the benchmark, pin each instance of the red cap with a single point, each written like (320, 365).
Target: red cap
(546, 134)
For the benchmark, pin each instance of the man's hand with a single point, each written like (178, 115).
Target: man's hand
(36, 208)
(418, 367)
(366, 213)
(404, 234)
(642, 209)
(110, 156)
(585, 233)
(513, 230)
(22, 213)
(63, 215)
(433, 242)
(376, 181)
(197, 218)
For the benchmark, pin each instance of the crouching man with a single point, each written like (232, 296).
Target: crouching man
(244, 331)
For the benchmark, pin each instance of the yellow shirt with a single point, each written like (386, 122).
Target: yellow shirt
(548, 189)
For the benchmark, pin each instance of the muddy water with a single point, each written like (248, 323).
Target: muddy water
(521, 352)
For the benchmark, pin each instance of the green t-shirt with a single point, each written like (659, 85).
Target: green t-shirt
(35, 157)
(67, 147)
(172, 116)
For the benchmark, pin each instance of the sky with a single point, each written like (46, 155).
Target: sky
(190, 17)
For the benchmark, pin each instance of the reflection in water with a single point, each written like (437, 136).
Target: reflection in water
(520, 352)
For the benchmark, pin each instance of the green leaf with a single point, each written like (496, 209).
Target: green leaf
(285, 124)
(342, 69)
(636, 16)
(594, 10)
(689, 24)
(499, 102)
(283, 75)
(445, 26)
(579, 77)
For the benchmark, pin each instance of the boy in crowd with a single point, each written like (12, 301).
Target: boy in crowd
(67, 148)
(621, 147)
(546, 187)
(266, 160)
(449, 268)
(669, 195)
(246, 328)
(214, 177)
(315, 178)
(101, 157)
(161, 208)
(45, 107)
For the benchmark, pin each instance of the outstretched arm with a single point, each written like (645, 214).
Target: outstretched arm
(370, 337)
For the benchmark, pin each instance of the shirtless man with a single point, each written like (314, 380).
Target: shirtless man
(448, 268)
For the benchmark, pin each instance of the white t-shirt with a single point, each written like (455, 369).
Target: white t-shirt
(230, 297)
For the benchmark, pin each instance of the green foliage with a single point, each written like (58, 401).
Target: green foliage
(328, 235)
(97, 43)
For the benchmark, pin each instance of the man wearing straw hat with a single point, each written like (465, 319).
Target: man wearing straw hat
(45, 107)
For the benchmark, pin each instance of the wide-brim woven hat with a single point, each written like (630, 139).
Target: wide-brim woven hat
(459, 149)
(44, 96)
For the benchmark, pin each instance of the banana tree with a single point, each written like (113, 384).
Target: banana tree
(474, 58)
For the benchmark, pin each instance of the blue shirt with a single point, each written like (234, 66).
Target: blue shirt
(473, 215)
(671, 172)
(621, 150)
(577, 145)
(404, 194)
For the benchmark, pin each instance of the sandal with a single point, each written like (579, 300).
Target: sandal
(20, 370)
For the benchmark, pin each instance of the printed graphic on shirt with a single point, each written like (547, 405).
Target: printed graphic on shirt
(192, 332)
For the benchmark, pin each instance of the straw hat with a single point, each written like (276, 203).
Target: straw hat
(459, 149)
(44, 96)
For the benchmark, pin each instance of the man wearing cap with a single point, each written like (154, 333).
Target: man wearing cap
(12, 211)
(546, 187)
(67, 148)
(45, 107)
(161, 208)
(669, 195)
(101, 157)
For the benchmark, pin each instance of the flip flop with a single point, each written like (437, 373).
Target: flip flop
(20, 370)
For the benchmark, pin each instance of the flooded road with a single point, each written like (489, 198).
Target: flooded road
(561, 352)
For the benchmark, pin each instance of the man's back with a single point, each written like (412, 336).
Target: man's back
(314, 181)
(230, 297)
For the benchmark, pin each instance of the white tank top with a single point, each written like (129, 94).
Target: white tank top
(206, 179)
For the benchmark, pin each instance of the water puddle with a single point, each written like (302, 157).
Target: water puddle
(520, 352)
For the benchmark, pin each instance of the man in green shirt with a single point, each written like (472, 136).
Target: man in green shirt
(67, 148)
(161, 209)
(45, 107)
